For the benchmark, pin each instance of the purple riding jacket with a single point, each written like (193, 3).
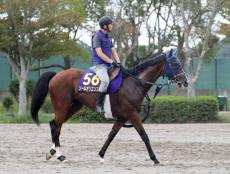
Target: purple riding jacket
(106, 45)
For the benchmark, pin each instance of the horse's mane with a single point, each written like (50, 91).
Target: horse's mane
(152, 59)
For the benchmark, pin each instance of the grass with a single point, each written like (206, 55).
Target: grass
(7, 118)
(14, 118)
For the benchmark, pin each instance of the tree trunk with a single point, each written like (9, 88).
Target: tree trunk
(191, 91)
(22, 87)
(22, 96)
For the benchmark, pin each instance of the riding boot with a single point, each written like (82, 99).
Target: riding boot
(100, 102)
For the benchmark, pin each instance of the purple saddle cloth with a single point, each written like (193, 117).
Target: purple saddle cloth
(90, 82)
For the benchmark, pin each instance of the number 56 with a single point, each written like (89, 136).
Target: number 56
(89, 78)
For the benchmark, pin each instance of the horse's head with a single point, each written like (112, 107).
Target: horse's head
(173, 69)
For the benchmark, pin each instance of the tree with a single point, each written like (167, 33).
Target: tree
(129, 19)
(196, 24)
(36, 29)
(160, 26)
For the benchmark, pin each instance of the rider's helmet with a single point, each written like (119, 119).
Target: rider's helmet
(105, 20)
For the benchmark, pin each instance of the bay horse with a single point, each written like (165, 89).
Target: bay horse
(125, 104)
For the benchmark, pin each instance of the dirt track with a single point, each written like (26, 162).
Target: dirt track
(181, 148)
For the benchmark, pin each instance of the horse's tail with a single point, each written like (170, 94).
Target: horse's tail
(39, 94)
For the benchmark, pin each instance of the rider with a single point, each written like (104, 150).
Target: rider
(102, 53)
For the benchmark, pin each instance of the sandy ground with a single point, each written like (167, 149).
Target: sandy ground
(181, 148)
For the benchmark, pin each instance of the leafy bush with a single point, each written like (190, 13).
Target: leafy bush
(7, 102)
(47, 106)
(171, 109)
(29, 87)
(86, 115)
(1, 108)
(14, 88)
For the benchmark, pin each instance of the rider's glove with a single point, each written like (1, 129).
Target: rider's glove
(116, 65)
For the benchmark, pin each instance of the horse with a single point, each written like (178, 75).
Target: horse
(125, 103)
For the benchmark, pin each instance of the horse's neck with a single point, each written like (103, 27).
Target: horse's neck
(151, 74)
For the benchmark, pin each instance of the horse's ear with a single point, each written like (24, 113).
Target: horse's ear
(172, 52)
(175, 52)
(169, 53)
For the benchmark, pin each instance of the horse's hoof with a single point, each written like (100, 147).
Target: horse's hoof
(102, 160)
(51, 154)
(48, 156)
(156, 162)
(62, 158)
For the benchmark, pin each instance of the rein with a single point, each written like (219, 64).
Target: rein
(143, 81)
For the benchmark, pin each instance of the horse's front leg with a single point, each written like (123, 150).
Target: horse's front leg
(116, 127)
(135, 120)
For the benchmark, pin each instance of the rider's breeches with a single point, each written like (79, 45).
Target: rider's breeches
(101, 71)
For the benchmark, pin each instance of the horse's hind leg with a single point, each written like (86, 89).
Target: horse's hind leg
(116, 127)
(135, 120)
(55, 127)
(55, 133)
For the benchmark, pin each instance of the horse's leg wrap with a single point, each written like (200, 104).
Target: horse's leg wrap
(55, 149)
(61, 158)
(52, 152)
(59, 155)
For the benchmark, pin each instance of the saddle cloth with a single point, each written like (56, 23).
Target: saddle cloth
(90, 82)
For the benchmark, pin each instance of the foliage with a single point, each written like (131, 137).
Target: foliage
(95, 8)
(41, 24)
(225, 29)
(86, 115)
(47, 106)
(26, 118)
(226, 9)
(14, 88)
(7, 102)
(2, 109)
(38, 29)
(171, 109)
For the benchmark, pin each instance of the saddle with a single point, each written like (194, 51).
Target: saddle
(90, 82)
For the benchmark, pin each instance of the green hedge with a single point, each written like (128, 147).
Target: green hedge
(167, 109)
(174, 109)
(86, 115)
